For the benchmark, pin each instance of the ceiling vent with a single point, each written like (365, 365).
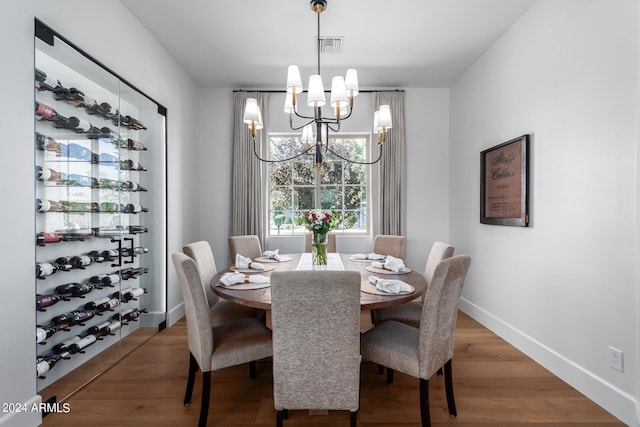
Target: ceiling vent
(331, 44)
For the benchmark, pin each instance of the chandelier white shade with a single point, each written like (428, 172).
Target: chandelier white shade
(316, 128)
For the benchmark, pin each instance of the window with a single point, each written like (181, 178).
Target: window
(297, 185)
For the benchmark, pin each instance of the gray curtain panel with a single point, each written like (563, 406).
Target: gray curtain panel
(391, 217)
(247, 189)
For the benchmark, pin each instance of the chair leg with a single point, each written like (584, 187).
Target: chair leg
(373, 317)
(354, 417)
(448, 385)
(380, 369)
(279, 418)
(424, 403)
(193, 367)
(439, 373)
(252, 370)
(206, 395)
(389, 375)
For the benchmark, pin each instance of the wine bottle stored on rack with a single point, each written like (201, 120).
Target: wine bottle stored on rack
(47, 82)
(47, 143)
(131, 144)
(73, 318)
(133, 273)
(101, 305)
(96, 256)
(45, 112)
(63, 347)
(110, 207)
(42, 238)
(43, 333)
(71, 95)
(44, 301)
(105, 279)
(131, 165)
(129, 315)
(46, 174)
(50, 206)
(44, 269)
(133, 208)
(75, 289)
(127, 294)
(137, 229)
(82, 343)
(46, 363)
(131, 186)
(126, 252)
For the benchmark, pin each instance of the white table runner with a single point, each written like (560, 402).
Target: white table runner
(333, 262)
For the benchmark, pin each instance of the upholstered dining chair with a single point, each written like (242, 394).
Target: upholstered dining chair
(410, 313)
(248, 246)
(315, 316)
(220, 310)
(387, 244)
(331, 242)
(217, 347)
(420, 352)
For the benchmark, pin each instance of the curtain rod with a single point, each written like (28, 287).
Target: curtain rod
(326, 91)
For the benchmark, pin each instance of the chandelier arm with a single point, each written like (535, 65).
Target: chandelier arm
(355, 161)
(298, 128)
(255, 151)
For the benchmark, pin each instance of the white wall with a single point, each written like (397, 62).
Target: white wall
(566, 288)
(426, 120)
(130, 51)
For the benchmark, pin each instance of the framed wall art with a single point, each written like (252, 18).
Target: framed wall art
(504, 183)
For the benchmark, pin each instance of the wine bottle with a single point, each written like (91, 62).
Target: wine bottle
(44, 142)
(92, 305)
(43, 333)
(80, 317)
(64, 263)
(46, 174)
(67, 318)
(126, 252)
(132, 186)
(133, 273)
(44, 301)
(133, 208)
(44, 269)
(45, 364)
(81, 344)
(95, 330)
(42, 238)
(109, 112)
(105, 279)
(132, 144)
(110, 207)
(74, 289)
(45, 112)
(109, 183)
(112, 327)
(63, 347)
(50, 206)
(110, 304)
(129, 315)
(71, 95)
(47, 82)
(131, 165)
(129, 122)
(96, 256)
(75, 234)
(136, 229)
(81, 181)
(109, 254)
(132, 293)
(108, 232)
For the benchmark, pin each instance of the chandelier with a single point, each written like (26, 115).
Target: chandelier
(315, 129)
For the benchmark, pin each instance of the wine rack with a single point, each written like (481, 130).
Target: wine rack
(99, 207)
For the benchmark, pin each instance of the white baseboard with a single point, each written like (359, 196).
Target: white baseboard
(27, 415)
(175, 314)
(619, 403)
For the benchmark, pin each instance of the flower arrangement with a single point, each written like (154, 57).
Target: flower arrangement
(319, 223)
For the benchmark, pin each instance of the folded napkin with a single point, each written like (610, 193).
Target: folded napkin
(372, 256)
(229, 279)
(390, 286)
(390, 263)
(244, 262)
(272, 254)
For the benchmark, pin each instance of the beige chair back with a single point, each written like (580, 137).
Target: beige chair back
(331, 242)
(248, 246)
(439, 313)
(386, 244)
(202, 254)
(439, 251)
(316, 339)
(199, 331)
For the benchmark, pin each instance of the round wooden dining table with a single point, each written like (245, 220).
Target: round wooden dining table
(261, 298)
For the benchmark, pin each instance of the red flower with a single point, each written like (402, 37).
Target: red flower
(314, 216)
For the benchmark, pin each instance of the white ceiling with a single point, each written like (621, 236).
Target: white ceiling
(248, 44)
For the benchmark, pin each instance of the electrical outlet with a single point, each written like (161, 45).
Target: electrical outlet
(616, 359)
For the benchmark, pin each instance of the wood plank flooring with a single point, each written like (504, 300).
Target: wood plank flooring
(495, 386)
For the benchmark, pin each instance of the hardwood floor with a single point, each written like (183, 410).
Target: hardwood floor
(494, 384)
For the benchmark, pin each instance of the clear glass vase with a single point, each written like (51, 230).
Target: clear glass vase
(319, 250)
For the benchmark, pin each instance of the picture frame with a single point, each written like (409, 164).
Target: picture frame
(504, 183)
